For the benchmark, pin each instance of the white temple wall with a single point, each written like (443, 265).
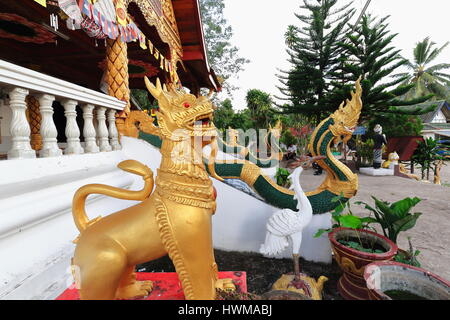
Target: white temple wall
(36, 224)
(37, 229)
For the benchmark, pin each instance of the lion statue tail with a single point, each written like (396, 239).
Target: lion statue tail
(79, 200)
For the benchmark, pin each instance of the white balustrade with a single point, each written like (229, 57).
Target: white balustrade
(102, 130)
(72, 130)
(113, 133)
(48, 129)
(19, 82)
(20, 128)
(89, 131)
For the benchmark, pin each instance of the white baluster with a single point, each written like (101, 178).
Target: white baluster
(48, 128)
(20, 128)
(102, 130)
(89, 130)
(113, 133)
(72, 130)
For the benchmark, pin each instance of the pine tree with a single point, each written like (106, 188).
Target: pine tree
(314, 53)
(369, 53)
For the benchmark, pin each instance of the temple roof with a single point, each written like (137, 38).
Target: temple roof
(440, 105)
(28, 40)
(187, 13)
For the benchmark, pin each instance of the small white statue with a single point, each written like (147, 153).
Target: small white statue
(286, 223)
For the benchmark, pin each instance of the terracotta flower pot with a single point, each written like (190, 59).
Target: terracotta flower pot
(352, 285)
(418, 283)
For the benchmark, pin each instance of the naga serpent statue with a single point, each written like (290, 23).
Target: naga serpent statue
(340, 179)
(271, 145)
(175, 218)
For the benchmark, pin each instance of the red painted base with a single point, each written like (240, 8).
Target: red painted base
(166, 286)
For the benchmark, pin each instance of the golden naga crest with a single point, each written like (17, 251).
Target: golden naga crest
(347, 116)
(276, 130)
(181, 114)
(233, 136)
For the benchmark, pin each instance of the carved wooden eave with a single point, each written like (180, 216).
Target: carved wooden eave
(163, 19)
(188, 18)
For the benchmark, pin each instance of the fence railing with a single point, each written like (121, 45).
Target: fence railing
(25, 126)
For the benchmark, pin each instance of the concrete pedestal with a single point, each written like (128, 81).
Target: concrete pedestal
(376, 172)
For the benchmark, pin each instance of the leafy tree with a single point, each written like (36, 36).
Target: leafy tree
(242, 120)
(287, 138)
(222, 55)
(427, 79)
(314, 53)
(259, 104)
(397, 125)
(369, 54)
(224, 114)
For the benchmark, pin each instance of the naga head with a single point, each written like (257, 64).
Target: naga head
(233, 136)
(347, 116)
(182, 115)
(276, 130)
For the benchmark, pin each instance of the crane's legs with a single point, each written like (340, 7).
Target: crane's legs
(297, 282)
(296, 259)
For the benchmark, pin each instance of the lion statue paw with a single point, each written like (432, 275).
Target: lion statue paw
(138, 289)
(225, 284)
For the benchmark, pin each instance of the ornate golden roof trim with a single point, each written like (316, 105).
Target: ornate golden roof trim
(166, 25)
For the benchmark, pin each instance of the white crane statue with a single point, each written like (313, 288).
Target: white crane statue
(287, 223)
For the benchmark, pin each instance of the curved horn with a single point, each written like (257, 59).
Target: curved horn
(154, 90)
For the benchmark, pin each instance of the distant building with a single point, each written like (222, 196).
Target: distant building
(436, 123)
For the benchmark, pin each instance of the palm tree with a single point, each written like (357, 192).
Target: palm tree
(427, 80)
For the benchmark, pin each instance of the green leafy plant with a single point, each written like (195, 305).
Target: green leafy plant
(398, 125)
(349, 220)
(426, 153)
(288, 138)
(364, 151)
(408, 257)
(282, 177)
(393, 218)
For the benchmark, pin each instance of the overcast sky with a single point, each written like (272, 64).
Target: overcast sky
(259, 26)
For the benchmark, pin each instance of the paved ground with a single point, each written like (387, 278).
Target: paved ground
(431, 235)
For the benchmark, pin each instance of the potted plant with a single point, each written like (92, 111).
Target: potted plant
(354, 247)
(390, 280)
(364, 152)
(394, 218)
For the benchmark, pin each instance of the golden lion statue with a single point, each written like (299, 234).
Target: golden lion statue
(175, 219)
(391, 161)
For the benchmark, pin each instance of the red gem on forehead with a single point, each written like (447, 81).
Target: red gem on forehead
(186, 105)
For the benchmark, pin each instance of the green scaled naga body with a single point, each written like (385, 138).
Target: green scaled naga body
(340, 179)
